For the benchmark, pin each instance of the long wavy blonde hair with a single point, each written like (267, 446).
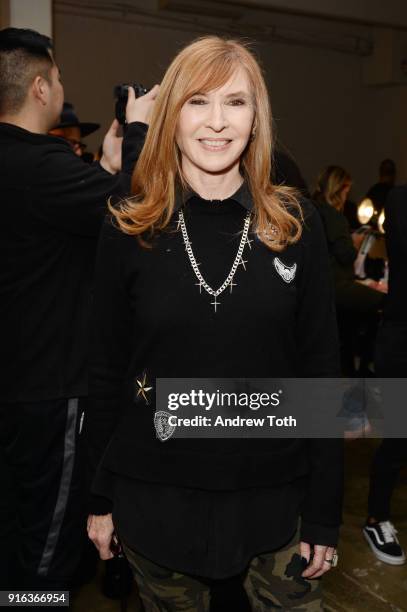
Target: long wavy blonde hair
(204, 65)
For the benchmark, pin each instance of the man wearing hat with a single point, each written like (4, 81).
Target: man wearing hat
(72, 130)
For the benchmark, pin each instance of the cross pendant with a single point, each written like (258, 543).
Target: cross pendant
(232, 284)
(248, 242)
(215, 304)
(199, 285)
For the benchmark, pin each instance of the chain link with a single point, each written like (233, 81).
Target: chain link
(195, 266)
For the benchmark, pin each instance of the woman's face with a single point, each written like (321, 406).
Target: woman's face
(214, 128)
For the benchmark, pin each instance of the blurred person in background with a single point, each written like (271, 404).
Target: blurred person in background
(357, 305)
(391, 362)
(387, 177)
(72, 130)
(287, 172)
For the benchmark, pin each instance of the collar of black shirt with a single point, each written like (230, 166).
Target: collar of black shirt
(242, 196)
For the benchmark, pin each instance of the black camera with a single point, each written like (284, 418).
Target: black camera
(121, 94)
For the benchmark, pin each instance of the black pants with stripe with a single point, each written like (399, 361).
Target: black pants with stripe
(42, 493)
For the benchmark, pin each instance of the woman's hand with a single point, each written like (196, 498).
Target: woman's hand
(319, 565)
(100, 531)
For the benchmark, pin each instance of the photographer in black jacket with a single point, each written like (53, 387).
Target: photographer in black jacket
(53, 205)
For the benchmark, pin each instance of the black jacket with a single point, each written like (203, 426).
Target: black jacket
(396, 244)
(149, 316)
(53, 205)
(340, 246)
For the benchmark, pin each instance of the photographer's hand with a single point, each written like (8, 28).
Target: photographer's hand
(111, 159)
(139, 109)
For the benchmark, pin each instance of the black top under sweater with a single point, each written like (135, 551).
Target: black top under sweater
(149, 316)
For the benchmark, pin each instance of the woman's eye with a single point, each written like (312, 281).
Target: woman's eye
(237, 102)
(197, 101)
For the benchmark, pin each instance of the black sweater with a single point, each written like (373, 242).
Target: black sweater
(53, 205)
(149, 316)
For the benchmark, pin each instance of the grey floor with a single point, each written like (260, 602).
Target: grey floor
(360, 583)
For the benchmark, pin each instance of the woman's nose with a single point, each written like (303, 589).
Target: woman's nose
(217, 119)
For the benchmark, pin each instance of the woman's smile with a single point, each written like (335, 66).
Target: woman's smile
(215, 144)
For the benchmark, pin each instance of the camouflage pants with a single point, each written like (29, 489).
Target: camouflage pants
(272, 582)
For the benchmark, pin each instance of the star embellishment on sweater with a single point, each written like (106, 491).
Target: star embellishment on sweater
(143, 389)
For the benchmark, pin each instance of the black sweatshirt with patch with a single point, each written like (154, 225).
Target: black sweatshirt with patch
(151, 317)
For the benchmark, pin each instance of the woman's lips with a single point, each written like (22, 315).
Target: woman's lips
(215, 144)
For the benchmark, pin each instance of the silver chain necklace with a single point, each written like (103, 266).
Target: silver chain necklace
(195, 266)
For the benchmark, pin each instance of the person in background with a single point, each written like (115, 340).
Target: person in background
(53, 206)
(356, 304)
(391, 362)
(287, 172)
(387, 177)
(72, 130)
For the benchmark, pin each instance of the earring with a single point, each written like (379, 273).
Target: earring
(253, 134)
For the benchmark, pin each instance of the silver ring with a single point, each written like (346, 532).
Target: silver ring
(334, 561)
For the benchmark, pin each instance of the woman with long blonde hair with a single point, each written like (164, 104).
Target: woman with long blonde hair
(333, 186)
(357, 305)
(210, 271)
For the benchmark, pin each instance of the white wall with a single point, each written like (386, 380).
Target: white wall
(323, 112)
(34, 14)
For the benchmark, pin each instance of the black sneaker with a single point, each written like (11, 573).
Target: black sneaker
(383, 541)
